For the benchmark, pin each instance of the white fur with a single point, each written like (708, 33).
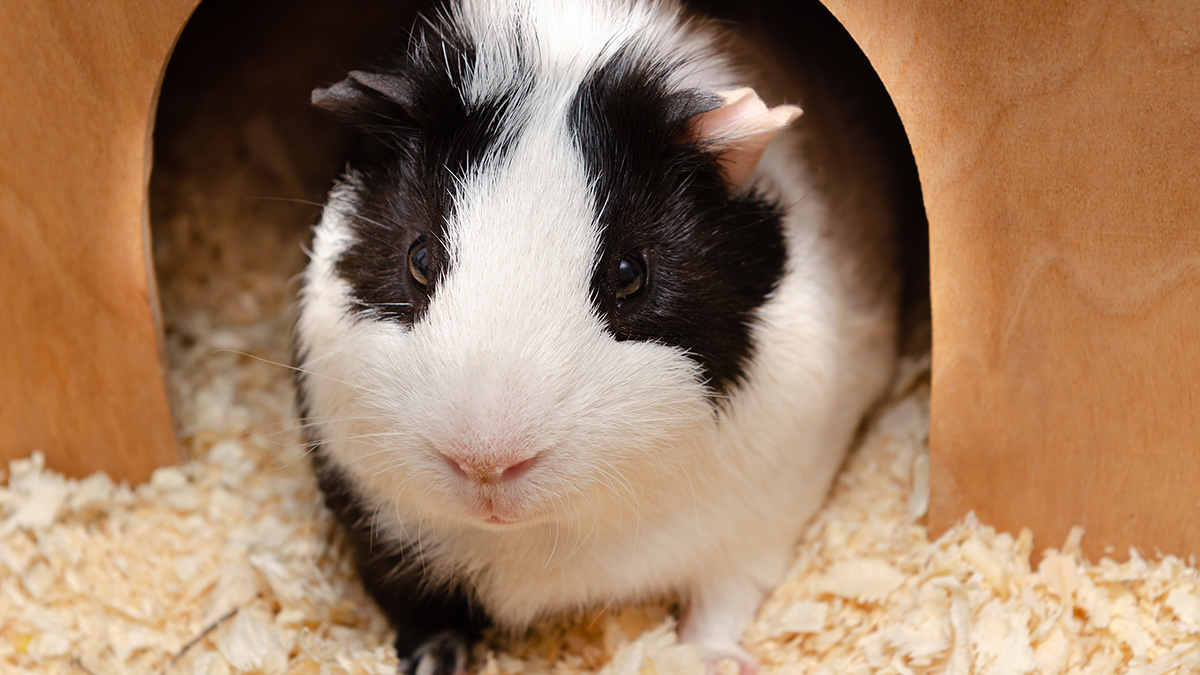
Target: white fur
(640, 489)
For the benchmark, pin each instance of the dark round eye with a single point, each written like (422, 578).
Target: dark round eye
(631, 276)
(418, 263)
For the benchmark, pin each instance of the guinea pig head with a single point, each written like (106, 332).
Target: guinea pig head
(536, 304)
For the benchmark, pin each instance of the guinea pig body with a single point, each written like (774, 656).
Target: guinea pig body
(575, 339)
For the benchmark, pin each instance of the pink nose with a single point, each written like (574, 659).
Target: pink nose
(489, 471)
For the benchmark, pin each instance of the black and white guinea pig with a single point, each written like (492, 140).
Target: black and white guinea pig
(589, 331)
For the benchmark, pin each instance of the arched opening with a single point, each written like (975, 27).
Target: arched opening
(242, 163)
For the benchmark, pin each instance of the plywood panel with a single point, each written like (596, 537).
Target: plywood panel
(1057, 145)
(80, 372)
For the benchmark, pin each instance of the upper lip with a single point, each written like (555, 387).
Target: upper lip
(488, 514)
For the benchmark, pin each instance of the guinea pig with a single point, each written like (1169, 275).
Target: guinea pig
(590, 327)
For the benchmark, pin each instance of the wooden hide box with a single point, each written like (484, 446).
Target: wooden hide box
(1057, 146)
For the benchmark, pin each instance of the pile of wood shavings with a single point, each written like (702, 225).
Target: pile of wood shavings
(869, 593)
(228, 565)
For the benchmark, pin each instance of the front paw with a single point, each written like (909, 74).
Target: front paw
(443, 653)
(727, 659)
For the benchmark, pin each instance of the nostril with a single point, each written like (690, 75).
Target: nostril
(455, 467)
(517, 470)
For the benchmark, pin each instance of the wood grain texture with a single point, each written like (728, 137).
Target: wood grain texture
(80, 373)
(1058, 146)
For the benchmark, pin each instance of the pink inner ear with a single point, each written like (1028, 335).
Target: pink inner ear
(741, 129)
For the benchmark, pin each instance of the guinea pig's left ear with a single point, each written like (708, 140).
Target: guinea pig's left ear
(739, 130)
(366, 98)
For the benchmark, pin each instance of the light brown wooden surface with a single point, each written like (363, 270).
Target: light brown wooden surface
(80, 372)
(1058, 146)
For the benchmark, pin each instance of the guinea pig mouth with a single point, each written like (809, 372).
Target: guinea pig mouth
(487, 511)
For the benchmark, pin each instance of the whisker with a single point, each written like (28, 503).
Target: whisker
(557, 526)
(290, 367)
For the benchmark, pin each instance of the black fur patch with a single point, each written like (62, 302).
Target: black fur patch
(429, 138)
(712, 258)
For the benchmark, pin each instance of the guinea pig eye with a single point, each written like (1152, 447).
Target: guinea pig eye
(631, 276)
(418, 263)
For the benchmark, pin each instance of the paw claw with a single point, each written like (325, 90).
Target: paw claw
(442, 654)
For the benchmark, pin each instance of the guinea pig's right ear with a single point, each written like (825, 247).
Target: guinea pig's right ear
(366, 99)
(738, 126)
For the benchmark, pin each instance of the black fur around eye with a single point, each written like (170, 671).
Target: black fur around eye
(418, 263)
(631, 276)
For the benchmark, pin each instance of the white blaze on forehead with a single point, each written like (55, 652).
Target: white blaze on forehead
(522, 242)
(523, 238)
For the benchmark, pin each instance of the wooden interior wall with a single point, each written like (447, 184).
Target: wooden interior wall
(1058, 146)
(81, 377)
